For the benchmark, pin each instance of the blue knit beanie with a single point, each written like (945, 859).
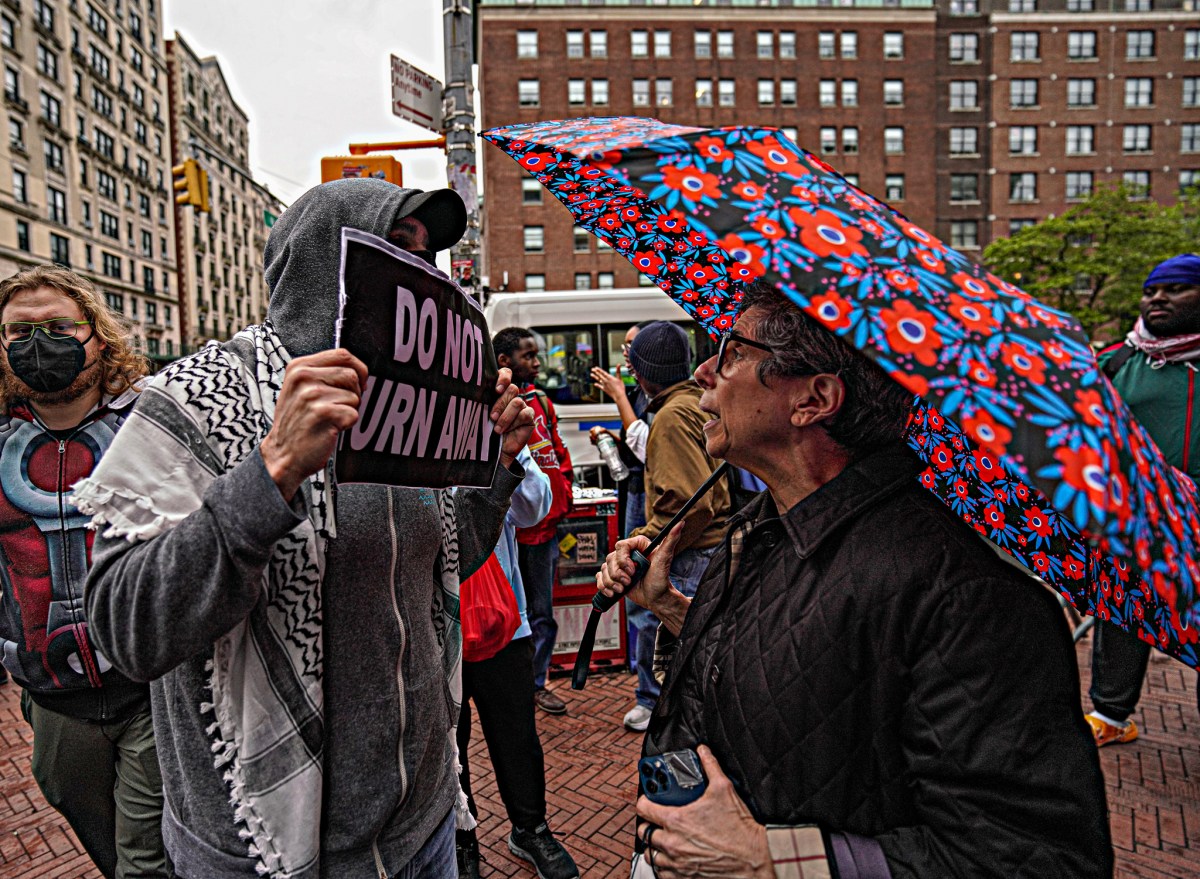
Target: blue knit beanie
(660, 353)
(1182, 269)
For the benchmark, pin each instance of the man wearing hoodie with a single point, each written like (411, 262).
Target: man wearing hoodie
(301, 639)
(69, 379)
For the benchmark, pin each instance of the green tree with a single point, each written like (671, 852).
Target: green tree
(1091, 261)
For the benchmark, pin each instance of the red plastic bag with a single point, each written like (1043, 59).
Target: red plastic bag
(488, 610)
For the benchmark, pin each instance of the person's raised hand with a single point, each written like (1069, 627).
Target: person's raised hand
(609, 384)
(319, 399)
(595, 433)
(616, 574)
(713, 836)
(513, 418)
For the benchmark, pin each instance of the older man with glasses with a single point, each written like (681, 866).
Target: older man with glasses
(873, 692)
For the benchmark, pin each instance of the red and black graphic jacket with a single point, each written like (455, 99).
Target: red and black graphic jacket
(45, 553)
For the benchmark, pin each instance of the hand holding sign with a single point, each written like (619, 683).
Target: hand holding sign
(514, 419)
(318, 400)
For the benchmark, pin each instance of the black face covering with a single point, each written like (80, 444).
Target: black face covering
(45, 364)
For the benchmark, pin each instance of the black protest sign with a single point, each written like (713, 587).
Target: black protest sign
(424, 418)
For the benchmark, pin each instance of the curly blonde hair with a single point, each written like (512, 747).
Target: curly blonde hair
(120, 366)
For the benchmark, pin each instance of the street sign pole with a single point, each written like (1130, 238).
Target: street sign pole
(458, 124)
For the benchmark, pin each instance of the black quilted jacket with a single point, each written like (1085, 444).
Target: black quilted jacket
(874, 667)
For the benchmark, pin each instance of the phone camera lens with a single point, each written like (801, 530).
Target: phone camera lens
(661, 778)
(647, 770)
(651, 787)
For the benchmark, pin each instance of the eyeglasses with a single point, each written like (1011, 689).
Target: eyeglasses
(55, 328)
(741, 340)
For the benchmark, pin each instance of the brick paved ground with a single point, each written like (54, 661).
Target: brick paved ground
(1153, 787)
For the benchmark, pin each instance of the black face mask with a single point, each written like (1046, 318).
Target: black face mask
(45, 364)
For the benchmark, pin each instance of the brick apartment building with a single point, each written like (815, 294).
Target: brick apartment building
(972, 117)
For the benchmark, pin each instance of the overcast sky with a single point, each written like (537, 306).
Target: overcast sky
(313, 76)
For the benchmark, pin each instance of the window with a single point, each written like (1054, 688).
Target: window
(43, 14)
(16, 133)
(1139, 91)
(765, 43)
(826, 41)
(1191, 91)
(1081, 92)
(893, 187)
(787, 44)
(1081, 45)
(1138, 184)
(893, 92)
(528, 92)
(144, 204)
(1023, 93)
(893, 140)
(852, 179)
(790, 132)
(1024, 46)
(54, 156)
(1189, 180)
(110, 226)
(57, 203)
(662, 93)
(12, 84)
(702, 44)
(787, 92)
(583, 281)
(1022, 5)
(1081, 140)
(583, 241)
(850, 140)
(99, 61)
(115, 301)
(964, 187)
(7, 32)
(535, 283)
(1191, 45)
(1139, 45)
(662, 44)
(106, 184)
(598, 43)
(641, 93)
(964, 94)
(102, 103)
(23, 235)
(1081, 5)
(1022, 186)
(1015, 226)
(639, 44)
(849, 92)
(964, 7)
(827, 92)
(534, 239)
(704, 93)
(148, 248)
(828, 140)
(766, 93)
(60, 250)
(576, 92)
(724, 44)
(1136, 139)
(47, 62)
(1189, 137)
(849, 44)
(1139, 5)
(964, 234)
(1079, 184)
(574, 44)
(20, 186)
(964, 141)
(604, 280)
(726, 92)
(1022, 140)
(600, 92)
(893, 45)
(52, 109)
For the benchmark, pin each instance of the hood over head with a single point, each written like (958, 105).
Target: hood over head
(303, 254)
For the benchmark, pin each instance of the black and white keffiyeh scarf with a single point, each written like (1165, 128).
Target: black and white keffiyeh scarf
(199, 418)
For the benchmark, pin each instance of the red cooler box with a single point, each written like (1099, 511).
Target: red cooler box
(585, 538)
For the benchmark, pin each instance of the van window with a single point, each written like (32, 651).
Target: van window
(567, 356)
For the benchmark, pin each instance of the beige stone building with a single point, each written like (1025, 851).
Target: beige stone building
(85, 168)
(220, 252)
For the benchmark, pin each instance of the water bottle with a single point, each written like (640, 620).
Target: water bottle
(608, 451)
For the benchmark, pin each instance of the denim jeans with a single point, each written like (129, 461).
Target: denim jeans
(538, 563)
(435, 859)
(686, 570)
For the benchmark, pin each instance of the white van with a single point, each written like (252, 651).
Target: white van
(579, 329)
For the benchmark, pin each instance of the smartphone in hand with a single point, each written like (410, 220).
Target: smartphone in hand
(672, 779)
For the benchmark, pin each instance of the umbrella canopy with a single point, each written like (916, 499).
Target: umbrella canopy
(1023, 435)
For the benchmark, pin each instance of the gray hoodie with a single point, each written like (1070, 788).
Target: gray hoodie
(157, 607)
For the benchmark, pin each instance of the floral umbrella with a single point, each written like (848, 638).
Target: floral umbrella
(1022, 434)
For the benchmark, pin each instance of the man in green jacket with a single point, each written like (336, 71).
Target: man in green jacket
(1154, 371)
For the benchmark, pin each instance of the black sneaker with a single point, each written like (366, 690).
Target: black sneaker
(468, 860)
(540, 848)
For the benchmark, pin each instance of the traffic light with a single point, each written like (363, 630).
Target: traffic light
(380, 167)
(191, 184)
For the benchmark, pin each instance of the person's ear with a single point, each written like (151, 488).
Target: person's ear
(503, 361)
(817, 398)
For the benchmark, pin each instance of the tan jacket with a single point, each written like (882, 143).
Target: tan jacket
(676, 465)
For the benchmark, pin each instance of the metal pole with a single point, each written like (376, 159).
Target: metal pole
(458, 123)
